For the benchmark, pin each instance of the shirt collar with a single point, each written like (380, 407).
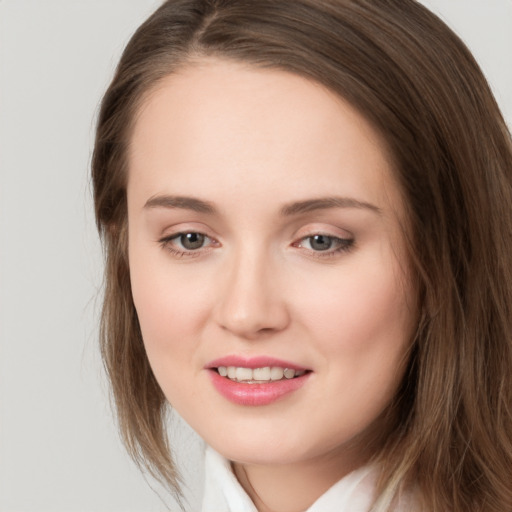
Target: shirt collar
(223, 493)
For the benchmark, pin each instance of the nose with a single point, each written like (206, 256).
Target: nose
(251, 297)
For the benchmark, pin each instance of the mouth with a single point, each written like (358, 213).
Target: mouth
(256, 381)
(263, 375)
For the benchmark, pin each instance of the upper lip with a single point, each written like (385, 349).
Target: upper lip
(253, 362)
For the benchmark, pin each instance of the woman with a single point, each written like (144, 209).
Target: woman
(306, 214)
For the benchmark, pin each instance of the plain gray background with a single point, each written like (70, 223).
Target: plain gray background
(59, 450)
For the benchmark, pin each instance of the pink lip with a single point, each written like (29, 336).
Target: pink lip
(242, 393)
(252, 362)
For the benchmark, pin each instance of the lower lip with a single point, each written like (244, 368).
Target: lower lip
(256, 394)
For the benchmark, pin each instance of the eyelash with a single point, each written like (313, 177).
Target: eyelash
(343, 245)
(166, 243)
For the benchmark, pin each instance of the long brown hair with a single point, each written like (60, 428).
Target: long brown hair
(412, 77)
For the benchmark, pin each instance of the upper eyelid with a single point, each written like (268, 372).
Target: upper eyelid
(300, 234)
(327, 233)
(333, 232)
(342, 240)
(298, 237)
(176, 235)
(171, 233)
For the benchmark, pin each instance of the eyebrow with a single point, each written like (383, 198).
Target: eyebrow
(325, 203)
(183, 202)
(294, 208)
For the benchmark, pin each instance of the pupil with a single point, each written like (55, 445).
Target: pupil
(320, 242)
(192, 241)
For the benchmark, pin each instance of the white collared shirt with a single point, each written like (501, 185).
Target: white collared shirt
(223, 493)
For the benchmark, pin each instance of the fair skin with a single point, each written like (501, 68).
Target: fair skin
(233, 255)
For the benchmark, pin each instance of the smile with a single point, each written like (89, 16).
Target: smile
(258, 375)
(256, 381)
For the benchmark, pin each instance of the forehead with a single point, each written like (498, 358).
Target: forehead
(230, 125)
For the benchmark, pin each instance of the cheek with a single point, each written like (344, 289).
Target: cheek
(170, 317)
(363, 325)
(359, 307)
(165, 315)
(171, 312)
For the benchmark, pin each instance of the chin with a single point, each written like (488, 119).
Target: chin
(256, 455)
(267, 447)
(257, 446)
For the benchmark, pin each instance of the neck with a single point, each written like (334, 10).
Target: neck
(293, 487)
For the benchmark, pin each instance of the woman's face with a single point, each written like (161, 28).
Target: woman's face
(264, 243)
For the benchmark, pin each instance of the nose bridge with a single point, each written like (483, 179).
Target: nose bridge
(251, 301)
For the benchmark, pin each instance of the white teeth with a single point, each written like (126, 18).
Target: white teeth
(243, 374)
(289, 374)
(276, 373)
(266, 374)
(261, 373)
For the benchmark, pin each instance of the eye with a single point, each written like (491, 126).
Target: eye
(191, 241)
(320, 242)
(327, 244)
(187, 243)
